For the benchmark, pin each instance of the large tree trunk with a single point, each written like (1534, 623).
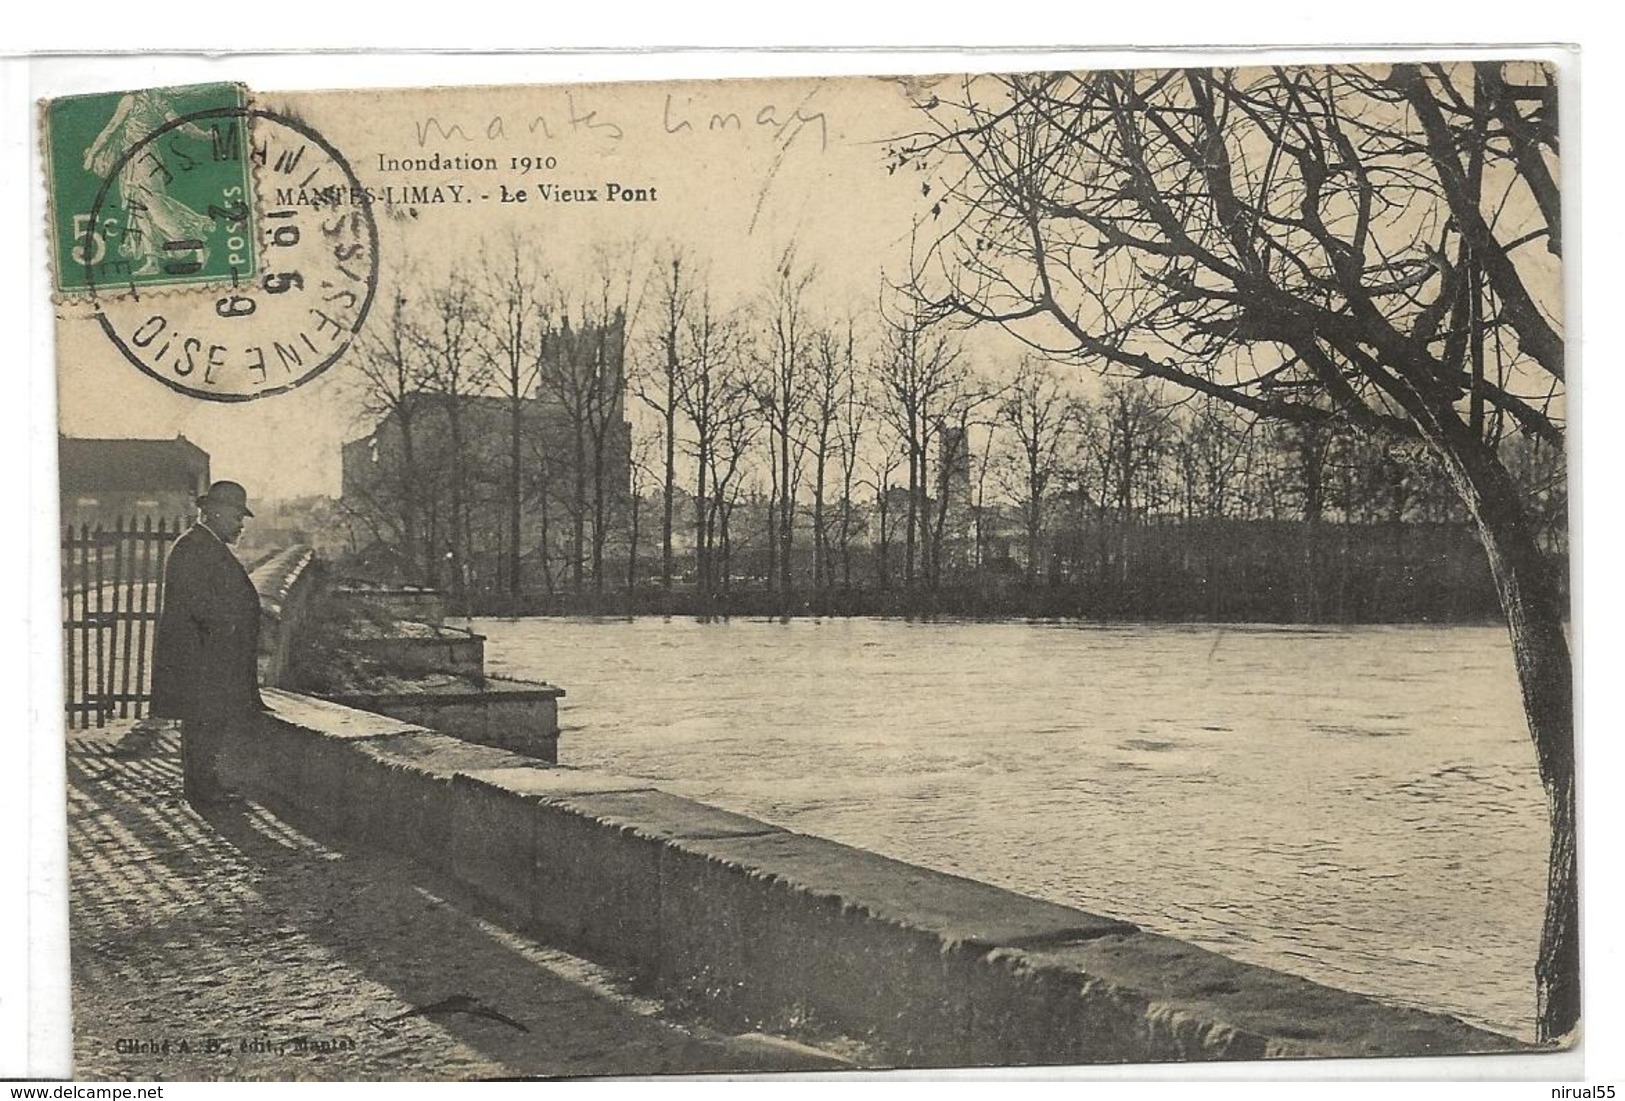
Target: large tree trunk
(1535, 619)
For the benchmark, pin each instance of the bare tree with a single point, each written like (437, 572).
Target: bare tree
(391, 382)
(851, 420)
(712, 394)
(584, 377)
(568, 379)
(1306, 448)
(1370, 243)
(949, 428)
(515, 322)
(657, 385)
(644, 472)
(919, 369)
(1034, 411)
(542, 456)
(881, 463)
(1214, 448)
(737, 427)
(611, 311)
(445, 331)
(833, 387)
(981, 510)
(786, 348)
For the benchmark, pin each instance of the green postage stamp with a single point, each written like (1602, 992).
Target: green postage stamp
(156, 190)
(150, 187)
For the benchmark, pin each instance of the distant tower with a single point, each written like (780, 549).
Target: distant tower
(953, 466)
(954, 487)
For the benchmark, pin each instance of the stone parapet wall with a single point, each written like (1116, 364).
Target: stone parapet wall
(437, 650)
(284, 582)
(418, 604)
(760, 926)
(518, 716)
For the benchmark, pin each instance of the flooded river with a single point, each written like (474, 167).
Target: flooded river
(1359, 806)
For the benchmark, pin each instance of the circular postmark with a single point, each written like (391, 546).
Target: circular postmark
(299, 274)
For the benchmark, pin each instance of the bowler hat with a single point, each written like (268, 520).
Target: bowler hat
(226, 493)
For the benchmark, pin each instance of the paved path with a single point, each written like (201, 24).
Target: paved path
(254, 952)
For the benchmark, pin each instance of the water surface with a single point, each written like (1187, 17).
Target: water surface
(1358, 806)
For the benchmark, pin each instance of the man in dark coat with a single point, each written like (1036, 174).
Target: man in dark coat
(206, 648)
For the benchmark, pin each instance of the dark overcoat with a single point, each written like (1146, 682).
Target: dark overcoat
(206, 649)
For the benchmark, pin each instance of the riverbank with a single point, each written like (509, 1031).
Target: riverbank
(1113, 605)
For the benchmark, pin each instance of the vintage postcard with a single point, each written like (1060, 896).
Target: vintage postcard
(815, 575)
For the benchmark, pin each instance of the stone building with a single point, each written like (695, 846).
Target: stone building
(104, 481)
(430, 488)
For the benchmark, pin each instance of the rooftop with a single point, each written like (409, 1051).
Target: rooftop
(132, 464)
